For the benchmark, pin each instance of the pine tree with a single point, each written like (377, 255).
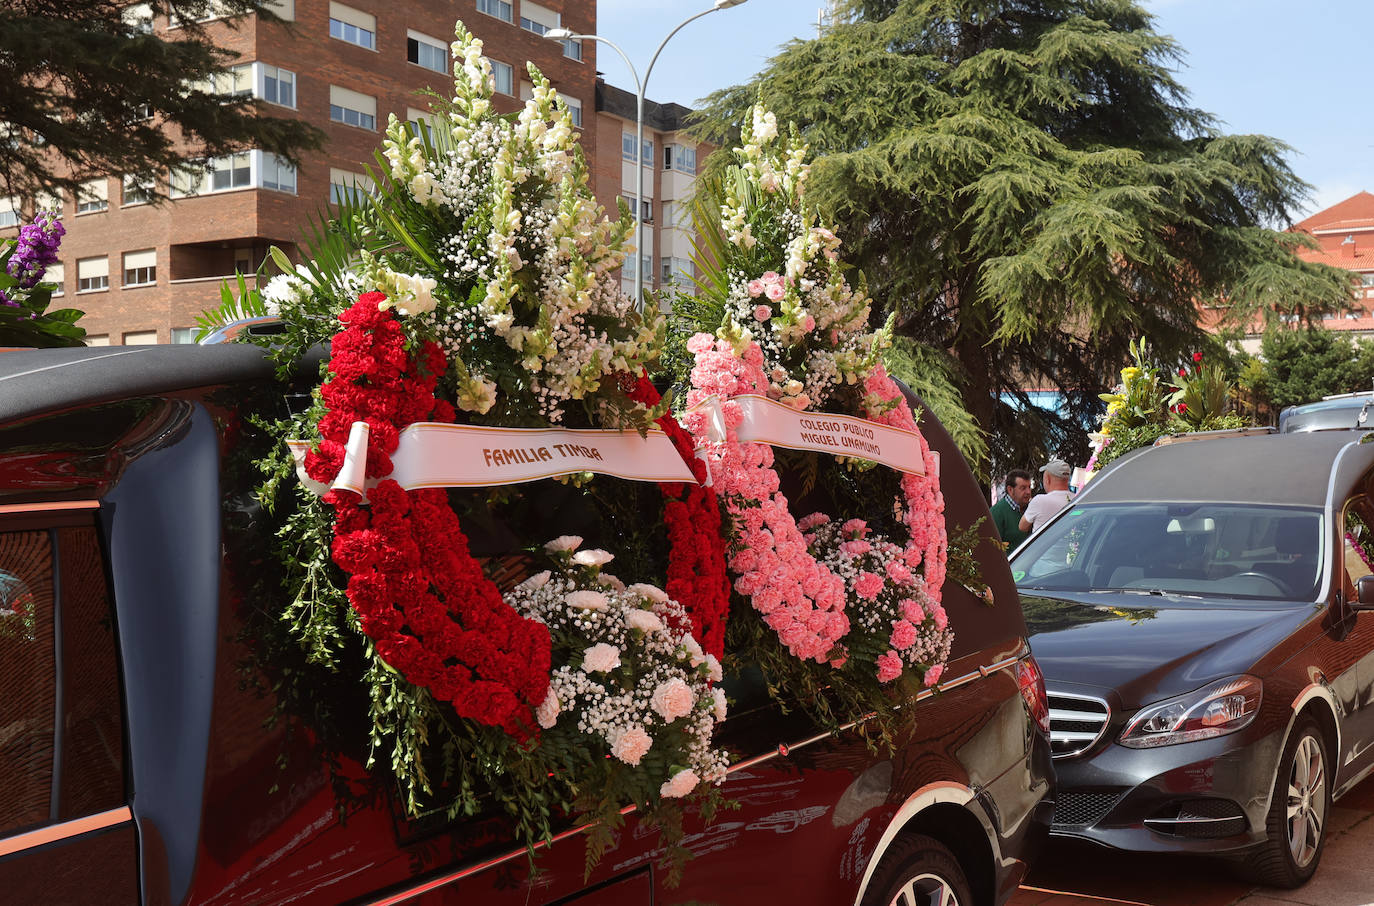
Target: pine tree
(1025, 184)
(87, 90)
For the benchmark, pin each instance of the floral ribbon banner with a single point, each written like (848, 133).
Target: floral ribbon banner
(440, 455)
(767, 421)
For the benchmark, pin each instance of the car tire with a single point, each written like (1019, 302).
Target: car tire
(1303, 784)
(916, 871)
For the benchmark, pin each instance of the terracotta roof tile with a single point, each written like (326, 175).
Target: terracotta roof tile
(1355, 212)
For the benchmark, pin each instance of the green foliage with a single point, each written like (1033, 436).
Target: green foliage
(1301, 366)
(1026, 185)
(79, 80)
(27, 320)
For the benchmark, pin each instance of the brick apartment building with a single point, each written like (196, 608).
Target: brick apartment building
(1345, 234)
(143, 272)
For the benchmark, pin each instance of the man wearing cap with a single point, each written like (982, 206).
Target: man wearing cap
(1006, 513)
(1055, 477)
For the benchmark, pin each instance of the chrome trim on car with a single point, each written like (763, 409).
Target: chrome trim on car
(923, 798)
(65, 830)
(1065, 743)
(1199, 820)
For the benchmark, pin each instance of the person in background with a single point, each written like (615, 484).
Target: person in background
(1006, 513)
(1054, 475)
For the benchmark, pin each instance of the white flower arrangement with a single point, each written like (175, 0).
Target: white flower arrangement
(634, 682)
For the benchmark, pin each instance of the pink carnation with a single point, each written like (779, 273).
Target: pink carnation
(912, 611)
(898, 573)
(762, 313)
(807, 523)
(933, 674)
(631, 745)
(673, 699)
(889, 667)
(903, 635)
(856, 548)
(699, 343)
(937, 613)
(600, 658)
(855, 527)
(681, 784)
(867, 585)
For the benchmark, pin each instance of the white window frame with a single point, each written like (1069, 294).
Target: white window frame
(136, 189)
(142, 264)
(423, 43)
(497, 9)
(540, 19)
(502, 77)
(265, 71)
(347, 184)
(56, 274)
(345, 101)
(673, 156)
(93, 196)
(270, 173)
(574, 108)
(627, 147)
(97, 274)
(352, 26)
(9, 212)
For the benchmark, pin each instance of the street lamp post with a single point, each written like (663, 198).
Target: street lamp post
(560, 34)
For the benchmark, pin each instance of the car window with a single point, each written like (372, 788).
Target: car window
(1208, 549)
(61, 724)
(1358, 548)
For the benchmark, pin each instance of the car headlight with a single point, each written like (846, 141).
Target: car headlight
(1215, 710)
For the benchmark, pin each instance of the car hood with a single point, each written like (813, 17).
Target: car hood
(1151, 649)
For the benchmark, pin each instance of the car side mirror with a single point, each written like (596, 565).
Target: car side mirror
(1364, 593)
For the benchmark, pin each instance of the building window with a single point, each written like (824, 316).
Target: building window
(501, 9)
(422, 50)
(627, 147)
(502, 76)
(57, 276)
(9, 212)
(277, 174)
(1354, 315)
(97, 339)
(234, 82)
(645, 211)
(141, 113)
(93, 196)
(183, 335)
(140, 338)
(92, 274)
(574, 108)
(218, 174)
(139, 17)
(278, 86)
(672, 213)
(140, 268)
(572, 49)
(352, 108)
(676, 271)
(1367, 279)
(48, 201)
(680, 158)
(536, 18)
(1288, 318)
(346, 186)
(137, 189)
(352, 25)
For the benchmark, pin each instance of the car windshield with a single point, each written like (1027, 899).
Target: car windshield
(1219, 550)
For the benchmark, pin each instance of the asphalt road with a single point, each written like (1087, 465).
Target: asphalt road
(1078, 875)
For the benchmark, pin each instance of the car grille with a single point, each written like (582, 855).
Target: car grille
(1082, 809)
(1076, 723)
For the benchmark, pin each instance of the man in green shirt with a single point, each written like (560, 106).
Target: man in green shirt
(1006, 513)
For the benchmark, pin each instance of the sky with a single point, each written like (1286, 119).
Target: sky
(1292, 71)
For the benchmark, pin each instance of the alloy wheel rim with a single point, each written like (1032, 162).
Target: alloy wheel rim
(925, 890)
(1306, 802)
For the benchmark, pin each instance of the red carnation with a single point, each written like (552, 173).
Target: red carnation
(1197, 357)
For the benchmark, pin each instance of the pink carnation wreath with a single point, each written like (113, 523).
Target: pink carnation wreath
(800, 598)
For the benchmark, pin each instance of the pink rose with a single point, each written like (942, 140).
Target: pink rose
(933, 674)
(631, 745)
(889, 667)
(681, 784)
(912, 611)
(771, 277)
(774, 291)
(809, 324)
(868, 585)
(755, 288)
(673, 699)
(903, 635)
(762, 313)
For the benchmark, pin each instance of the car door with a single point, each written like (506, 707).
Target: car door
(1356, 686)
(66, 831)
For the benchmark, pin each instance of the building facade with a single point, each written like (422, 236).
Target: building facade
(143, 272)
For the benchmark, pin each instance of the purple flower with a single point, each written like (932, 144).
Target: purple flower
(36, 249)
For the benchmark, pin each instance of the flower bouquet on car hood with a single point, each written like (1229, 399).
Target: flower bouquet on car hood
(475, 294)
(839, 547)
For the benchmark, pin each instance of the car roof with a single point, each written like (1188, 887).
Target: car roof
(1337, 412)
(35, 381)
(1282, 469)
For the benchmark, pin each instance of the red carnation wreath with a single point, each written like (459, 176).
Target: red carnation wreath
(419, 594)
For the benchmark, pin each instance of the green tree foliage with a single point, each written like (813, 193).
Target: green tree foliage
(1300, 366)
(86, 91)
(1024, 183)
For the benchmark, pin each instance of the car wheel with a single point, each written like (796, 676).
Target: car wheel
(1298, 811)
(918, 871)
